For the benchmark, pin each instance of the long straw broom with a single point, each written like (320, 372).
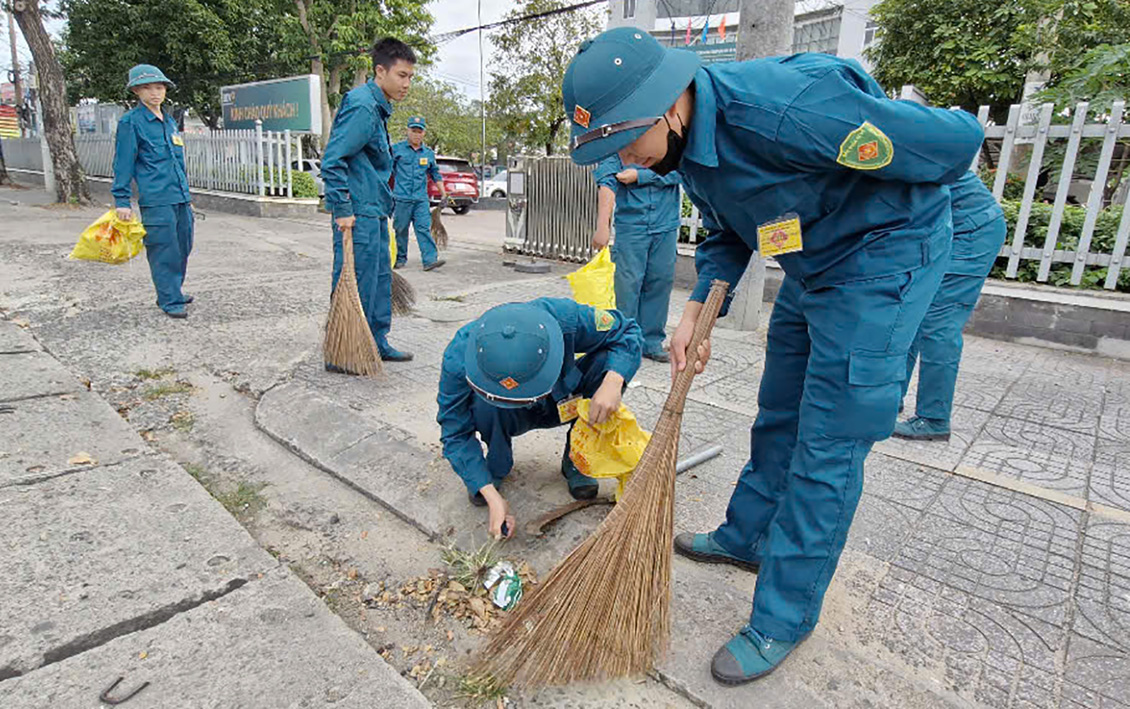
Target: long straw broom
(349, 345)
(439, 231)
(403, 295)
(604, 611)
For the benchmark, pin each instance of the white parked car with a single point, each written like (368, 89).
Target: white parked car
(495, 186)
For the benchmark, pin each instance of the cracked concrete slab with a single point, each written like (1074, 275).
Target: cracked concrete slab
(15, 339)
(109, 550)
(30, 374)
(270, 643)
(41, 436)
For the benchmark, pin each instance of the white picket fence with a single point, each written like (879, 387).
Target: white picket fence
(217, 160)
(1041, 135)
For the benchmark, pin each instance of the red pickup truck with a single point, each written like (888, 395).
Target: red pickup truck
(460, 182)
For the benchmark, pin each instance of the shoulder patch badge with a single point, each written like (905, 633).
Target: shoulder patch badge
(604, 320)
(866, 148)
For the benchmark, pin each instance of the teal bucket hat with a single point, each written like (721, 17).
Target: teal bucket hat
(618, 86)
(148, 74)
(417, 122)
(514, 355)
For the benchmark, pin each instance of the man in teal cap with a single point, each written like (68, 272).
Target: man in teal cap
(412, 164)
(514, 370)
(356, 168)
(978, 234)
(149, 149)
(647, 209)
(805, 159)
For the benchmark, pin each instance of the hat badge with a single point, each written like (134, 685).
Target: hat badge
(581, 117)
(509, 383)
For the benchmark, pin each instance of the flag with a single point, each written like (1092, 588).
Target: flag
(722, 29)
(688, 31)
(705, 29)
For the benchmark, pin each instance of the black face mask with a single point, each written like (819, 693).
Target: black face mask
(676, 144)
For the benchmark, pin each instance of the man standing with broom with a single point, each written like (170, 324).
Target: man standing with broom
(514, 370)
(412, 164)
(356, 168)
(805, 159)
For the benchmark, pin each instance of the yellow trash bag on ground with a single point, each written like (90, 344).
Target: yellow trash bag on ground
(607, 450)
(595, 283)
(110, 240)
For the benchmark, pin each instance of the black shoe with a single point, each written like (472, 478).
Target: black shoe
(398, 264)
(435, 264)
(659, 356)
(177, 314)
(394, 355)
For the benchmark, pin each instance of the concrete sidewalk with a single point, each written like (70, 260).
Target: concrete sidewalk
(118, 564)
(991, 570)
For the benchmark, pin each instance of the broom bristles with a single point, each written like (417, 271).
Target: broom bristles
(349, 343)
(439, 231)
(604, 611)
(403, 295)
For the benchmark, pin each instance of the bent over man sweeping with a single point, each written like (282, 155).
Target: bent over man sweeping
(511, 371)
(805, 159)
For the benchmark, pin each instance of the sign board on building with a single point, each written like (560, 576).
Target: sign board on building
(293, 103)
(714, 53)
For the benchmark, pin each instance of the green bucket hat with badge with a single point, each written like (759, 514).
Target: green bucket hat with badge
(417, 122)
(618, 86)
(148, 74)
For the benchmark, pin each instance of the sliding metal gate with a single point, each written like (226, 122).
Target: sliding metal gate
(551, 208)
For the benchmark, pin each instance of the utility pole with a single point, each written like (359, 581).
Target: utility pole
(16, 71)
(765, 29)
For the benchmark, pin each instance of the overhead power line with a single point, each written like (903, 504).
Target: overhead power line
(448, 36)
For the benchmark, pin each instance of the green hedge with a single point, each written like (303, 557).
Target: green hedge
(302, 183)
(1102, 241)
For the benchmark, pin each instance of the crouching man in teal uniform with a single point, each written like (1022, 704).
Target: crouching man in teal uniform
(978, 234)
(412, 164)
(805, 159)
(149, 149)
(356, 168)
(647, 210)
(511, 370)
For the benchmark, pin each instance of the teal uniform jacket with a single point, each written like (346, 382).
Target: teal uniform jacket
(778, 136)
(411, 169)
(651, 205)
(358, 162)
(462, 414)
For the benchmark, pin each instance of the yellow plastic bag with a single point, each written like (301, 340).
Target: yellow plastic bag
(611, 449)
(391, 243)
(110, 240)
(595, 283)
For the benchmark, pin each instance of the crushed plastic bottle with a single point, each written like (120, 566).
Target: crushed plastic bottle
(504, 585)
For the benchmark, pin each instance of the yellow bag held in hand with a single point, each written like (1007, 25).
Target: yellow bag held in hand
(595, 283)
(391, 243)
(110, 240)
(607, 450)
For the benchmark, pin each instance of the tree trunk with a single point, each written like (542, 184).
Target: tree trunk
(4, 179)
(360, 76)
(317, 68)
(69, 183)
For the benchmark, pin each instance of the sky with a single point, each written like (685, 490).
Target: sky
(457, 60)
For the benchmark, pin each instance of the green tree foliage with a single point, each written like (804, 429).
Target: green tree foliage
(1101, 77)
(1068, 31)
(200, 44)
(525, 83)
(957, 52)
(453, 122)
(337, 34)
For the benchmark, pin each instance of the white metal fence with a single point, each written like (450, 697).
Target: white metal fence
(1035, 250)
(225, 161)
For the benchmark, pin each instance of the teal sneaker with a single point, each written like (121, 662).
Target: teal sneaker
(749, 656)
(923, 429)
(702, 547)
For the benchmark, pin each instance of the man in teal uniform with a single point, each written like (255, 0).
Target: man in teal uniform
(149, 149)
(978, 234)
(412, 164)
(647, 211)
(356, 168)
(803, 158)
(508, 373)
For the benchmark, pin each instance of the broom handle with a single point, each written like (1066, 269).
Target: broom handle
(702, 327)
(347, 249)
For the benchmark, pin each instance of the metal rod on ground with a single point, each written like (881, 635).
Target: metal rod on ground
(696, 459)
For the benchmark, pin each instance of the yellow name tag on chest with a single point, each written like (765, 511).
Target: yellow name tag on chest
(177, 140)
(567, 410)
(781, 236)
(423, 161)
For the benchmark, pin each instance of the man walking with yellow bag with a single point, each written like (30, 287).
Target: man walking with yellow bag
(149, 149)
